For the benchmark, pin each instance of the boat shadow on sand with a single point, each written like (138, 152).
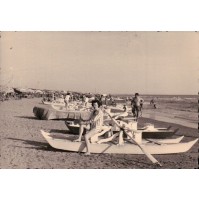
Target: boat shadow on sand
(27, 117)
(43, 146)
(60, 131)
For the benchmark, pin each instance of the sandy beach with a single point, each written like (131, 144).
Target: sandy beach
(180, 110)
(22, 145)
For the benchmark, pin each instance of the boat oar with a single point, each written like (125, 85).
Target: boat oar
(149, 156)
(169, 128)
(153, 141)
(176, 130)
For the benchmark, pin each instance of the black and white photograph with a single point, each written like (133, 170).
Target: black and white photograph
(99, 99)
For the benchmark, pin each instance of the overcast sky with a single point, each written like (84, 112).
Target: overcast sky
(105, 62)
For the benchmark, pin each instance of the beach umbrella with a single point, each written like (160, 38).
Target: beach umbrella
(38, 92)
(30, 91)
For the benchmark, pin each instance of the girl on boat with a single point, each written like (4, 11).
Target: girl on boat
(93, 126)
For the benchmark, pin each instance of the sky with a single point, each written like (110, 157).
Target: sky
(103, 62)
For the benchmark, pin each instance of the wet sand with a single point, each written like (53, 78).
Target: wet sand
(22, 145)
(171, 117)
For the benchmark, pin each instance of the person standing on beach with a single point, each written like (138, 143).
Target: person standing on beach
(106, 100)
(136, 104)
(101, 99)
(67, 99)
(141, 103)
(85, 100)
(124, 108)
(53, 97)
(93, 126)
(152, 102)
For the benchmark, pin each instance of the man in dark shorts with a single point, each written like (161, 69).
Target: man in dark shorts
(136, 104)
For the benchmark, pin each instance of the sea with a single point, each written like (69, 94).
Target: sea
(171, 97)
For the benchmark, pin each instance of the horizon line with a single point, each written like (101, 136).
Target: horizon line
(108, 93)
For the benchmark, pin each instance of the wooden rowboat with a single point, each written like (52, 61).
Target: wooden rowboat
(160, 134)
(47, 112)
(66, 143)
(73, 128)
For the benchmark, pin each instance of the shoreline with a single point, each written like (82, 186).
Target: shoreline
(176, 120)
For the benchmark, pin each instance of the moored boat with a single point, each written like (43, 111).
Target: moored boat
(66, 143)
(47, 112)
(158, 134)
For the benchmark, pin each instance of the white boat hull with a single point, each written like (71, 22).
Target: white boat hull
(66, 143)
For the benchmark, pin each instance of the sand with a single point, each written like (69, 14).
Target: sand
(168, 115)
(22, 145)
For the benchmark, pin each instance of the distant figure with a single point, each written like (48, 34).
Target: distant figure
(67, 99)
(124, 108)
(53, 97)
(49, 98)
(101, 99)
(152, 102)
(106, 100)
(71, 97)
(112, 101)
(141, 104)
(137, 104)
(85, 100)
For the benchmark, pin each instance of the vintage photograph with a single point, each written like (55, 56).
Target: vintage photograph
(99, 100)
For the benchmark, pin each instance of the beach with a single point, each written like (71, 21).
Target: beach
(23, 146)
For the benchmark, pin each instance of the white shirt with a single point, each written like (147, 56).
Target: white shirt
(67, 98)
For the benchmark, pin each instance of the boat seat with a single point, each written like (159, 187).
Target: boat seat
(95, 138)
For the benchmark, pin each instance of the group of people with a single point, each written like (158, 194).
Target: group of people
(104, 100)
(136, 101)
(94, 125)
(67, 99)
(84, 98)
